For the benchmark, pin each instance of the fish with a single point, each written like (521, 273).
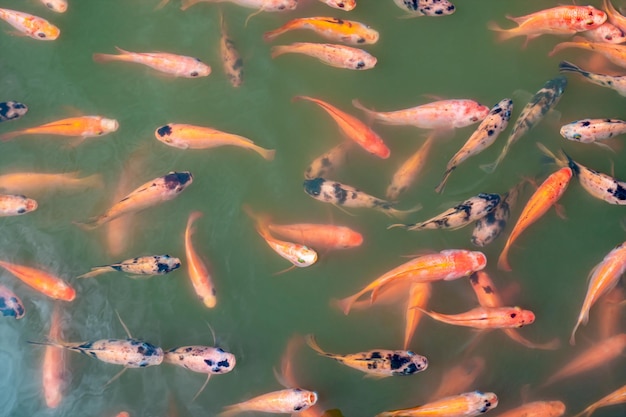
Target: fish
(321, 236)
(467, 404)
(487, 317)
(32, 26)
(419, 294)
(537, 409)
(39, 182)
(170, 64)
(185, 136)
(151, 193)
(441, 114)
(82, 127)
(446, 265)
(353, 129)
(409, 171)
(346, 5)
(546, 195)
(12, 110)
(602, 279)
(58, 6)
(15, 205)
(458, 216)
(231, 59)
(427, 7)
(262, 5)
(337, 56)
(610, 312)
(196, 268)
(543, 101)
(617, 83)
(616, 397)
(41, 281)
(614, 53)
(140, 267)
(483, 137)
(326, 164)
(614, 16)
(488, 228)
(380, 363)
(592, 130)
(343, 195)
(459, 377)
(289, 401)
(560, 20)
(10, 304)
(332, 28)
(606, 32)
(53, 368)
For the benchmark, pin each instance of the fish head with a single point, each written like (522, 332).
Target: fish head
(593, 18)
(350, 239)
(485, 401)
(59, 6)
(28, 205)
(304, 256)
(573, 131)
(178, 181)
(199, 70)
(313, 187)
(166, 263)
(364, 62)
(66, 293)
(555, 408)
(109, 125)
(522, 317)
(219, 361)
(12, 110)
(164, 134)
(346, 5)
(416, 363)
(305, 399)
(10, 304)
(606, 32)
(46, 31)
(287, 5)
(371, 35)
(478, 261)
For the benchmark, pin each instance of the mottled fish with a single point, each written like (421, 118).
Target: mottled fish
(11, 110)
(426, 7)
(10, 304)
(488, 228)
(289, 401)
(614, 82)
(592, 130)
(14, 205)
(328, 162)
(231, 60)
(140, 267)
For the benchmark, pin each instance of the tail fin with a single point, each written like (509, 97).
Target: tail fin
(442, 184)
(401, 214)
(105, 57)
(93, 181)
(185, 4)
(566, 66)
(371, 114)
(161, 5)
(503, 34)
(312, 343)
(268, 36)
(583, 319)
(267, 154)
(503, 261)
(560, 46)
(98, 270)
(193, 216)
(10, 135)
(280, 50)
(346, 303)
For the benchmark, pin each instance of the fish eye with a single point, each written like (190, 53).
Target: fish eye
(194, 74)
(577, 136)
(360, 65)
(301, 261)
(513, 315)
(41, 34)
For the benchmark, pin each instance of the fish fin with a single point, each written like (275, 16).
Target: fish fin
(375, 376)
(490, 168)
(411, 15)
(104, 57)
(208, 376)
(93, 181)
(212, 332)
(439, 189)
(344, 210)
(251, 15)
(281, 380)
(503, 261)
(161, 5)
(502, 34)
(123, 324)
(560, 46)
(185, 4)
(193, 216)
(119, 374)
(604, 146)
(10, 135)
(267, 154)
(280, 50)
(282, 271)
(560, 210)
(391, 226)
(401, 214)
(572, 339)
(95, 271)
(514, 335)
(369, 113)
(312, 343)
(272, 34)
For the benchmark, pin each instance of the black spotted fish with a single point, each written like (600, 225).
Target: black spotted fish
(10, 304)
(592, 130)
(426, 7)
(231, 60)
(614, 82)
(140, 267)
(328, 162)
(380, 363)
(488, 228)
(11, 110)
(458, 216)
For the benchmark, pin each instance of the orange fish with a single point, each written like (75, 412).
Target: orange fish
(610, 312)
(460, 377)
(419, 294)
(290, 400)
(37, 182)
(537, 409)
(546, 195)
(32, 26)
(467, 404)
(487, 317)
(337, 30)
(54, 363)
(353, 129)
(42, 281)
(338, 56)
(409, 171)
(614, 53)
(320, 236)
(613, 15)
(83, 127)
(616, 397)
(602, 279)
(198, 272)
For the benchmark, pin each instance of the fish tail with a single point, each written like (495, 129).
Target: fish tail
(587, 411)
(564, 45)
(490, 168)
(161, 5)
(391, 226)
(55, 343)
(346, 303)
(280, 50)
(185, 4)
(401, 214)
(94, 181)
(503, 34)
(98, 270)
(503, 261)
(371, 114)
(312, 343)
(566, 66)
(268, 36)
(442, 184)
(10, 135)
(106, 57)
(261, 221)
(267, 154)
(560, 160)
(89, 225)
(231, 410)
(582, 319)
(193, 216)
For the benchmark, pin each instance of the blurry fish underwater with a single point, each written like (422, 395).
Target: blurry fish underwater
(11, 110)
(140, 267)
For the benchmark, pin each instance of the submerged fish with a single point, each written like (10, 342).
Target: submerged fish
(487, 317)
(10, 304)
(591, 130)
(338, 56)
(42, 281)
(614, 53)
(488, 228)
(617, 83)
(606, 32)
(321, 236)
(32, 26)
(83, 127)
(419, 294)
(231, 60)
(140, 267)
(14, 205)
(537, 409)
(290, 401)
(328, 162)
(426, 7)
(468, 404)
(37, 182)
(53, 367)
(197, 268)
(346, 5)
(332, 28)
(59, 6)
(460, 377)
(409, 171)
(262, 5)
(616, 397)
(11, 110)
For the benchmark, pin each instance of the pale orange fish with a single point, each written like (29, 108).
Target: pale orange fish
(487, 317)
(290, 401)
(320, 236)
(602, 279)
(616, 397)
(82, 127)
(262, 5)
(185, 136)
(171, 64)
(614, 53)
(338, 56)
(597, 355)
(346, 5)
(613, 15)
(196, 267)
(410, 170)
(59, 6)
(468, 404)
(54, 363)
(546, 195)
(607, 32)
(610, 312)
(353, 129)
(231, 60)
(560, 20)
(419, 294)
(31, 26)
(332, 28)
(15, 205)
(459, 378)
(537, 409)
(37, 182)
(445, 265)
(42, 281)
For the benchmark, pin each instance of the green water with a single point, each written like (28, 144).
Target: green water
(451, 57)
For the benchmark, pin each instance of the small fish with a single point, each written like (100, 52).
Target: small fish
(379, 363)
(39, 182)
(185, 136)
(617, 83)
(10, 304)
(171, 64)
(58, 6)
(338, 56)
(460, 377)
(14, 205)
(147, 195)
(613, 15)
(346, 5)
(546, 195)
(262, 5)
(537, 409)
(197, 268)
(289, 401)
(11, 110)
(82, 127)
(487, 317)
(483, 137)
(326, 164)
(32, 26)
(419, 294)
(488, 228)
(42, 281)
(592, 130)
(343, 195)
(442, 114)
(614, 53)
(607, 32)
(543, 101)
(142, 267)
(53, 368)
(427, 7)
(231, 60)
(321, 236)
(468, 404)
(616, 397)
(609, 312)
(458, 216)
(332, 28)
(409, 171)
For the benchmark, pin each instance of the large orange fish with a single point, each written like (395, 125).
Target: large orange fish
(487, 317)
(468, 404)
(546, 195)
(614, 53)
(196, 267)
(616, 397)
(38, 182)
(537, 409)
(320, 236)
(337, 30)
(42, 281)
(82, 127)
(354, 129)
(32, 26)
(409, 171)
(54, 363)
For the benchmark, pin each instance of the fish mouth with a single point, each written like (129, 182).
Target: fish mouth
(174, 179)
(110, 125)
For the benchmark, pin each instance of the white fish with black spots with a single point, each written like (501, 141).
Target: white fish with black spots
(592, 130)
(10, 304)
(487, 229)
(140, 267)
(328, 162)
(614, 82)
(11, 110)
(427, 7)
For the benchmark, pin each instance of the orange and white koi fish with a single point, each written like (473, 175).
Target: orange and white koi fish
(468, 404)
(487, 317)
(231, 60)
(147, 195)
(171, 64)
(614, 53)
(332, 28)
(599, 354)
(141, 267)
(483, 137)
(54, 363)
(14, 205)
(426, 7)
(37, 182)
(338, 56)
(613, 15)
(607, 32)
(41, 281)
(262, 5)
(10, 304)
(197, 268)
(409, 171)
(290, 401)
(326, 163)
(185, 136)
(446, 265)
(442, 114)
(617, 83)
(353, 129)
(616, 397)
(419, 294)
(546, 195)
(537, 409)
(610, 312)
(602, 279)
(380, 363)
(83, 127)
(346, 5)
(560, 20)
(31, 26)
(592, 130)
(320, 236)
(460, 377)
(59, 6)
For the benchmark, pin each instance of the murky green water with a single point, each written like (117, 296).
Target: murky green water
(257, 312)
